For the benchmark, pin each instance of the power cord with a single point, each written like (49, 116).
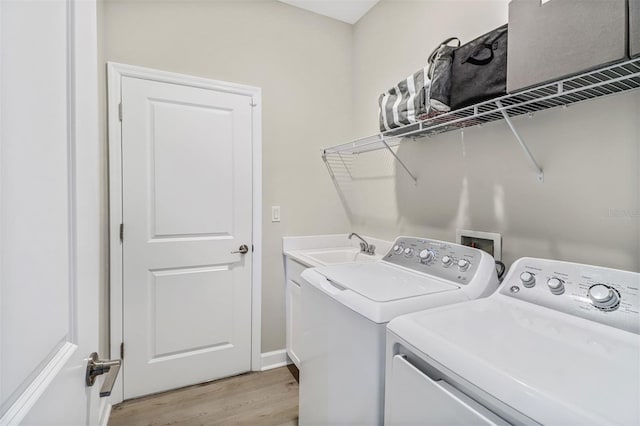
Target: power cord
(500, 269)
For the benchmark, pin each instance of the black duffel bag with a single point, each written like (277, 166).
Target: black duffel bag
(479, 69)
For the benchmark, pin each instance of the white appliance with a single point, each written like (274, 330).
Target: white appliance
(557, 344)
(345, 309)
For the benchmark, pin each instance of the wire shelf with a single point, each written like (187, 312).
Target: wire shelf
(609, 80)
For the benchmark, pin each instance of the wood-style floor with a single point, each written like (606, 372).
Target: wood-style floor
(262, 398)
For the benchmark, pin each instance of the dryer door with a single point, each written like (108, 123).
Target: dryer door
(414, 398)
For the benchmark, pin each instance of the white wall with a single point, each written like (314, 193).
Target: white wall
(301, 62)
(587, 210)
(104, 302)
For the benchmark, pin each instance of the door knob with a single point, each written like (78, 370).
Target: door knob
(97, 367)
(242, 249)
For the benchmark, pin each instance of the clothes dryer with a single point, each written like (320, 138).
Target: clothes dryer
(557, 344)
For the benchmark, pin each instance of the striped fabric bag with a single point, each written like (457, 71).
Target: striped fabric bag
(406, 103)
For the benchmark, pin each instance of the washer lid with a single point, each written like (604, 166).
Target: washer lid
(553, 367)
(381, 282)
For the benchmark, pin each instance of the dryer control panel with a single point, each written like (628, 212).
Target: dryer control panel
(604, 295)
(445, 260)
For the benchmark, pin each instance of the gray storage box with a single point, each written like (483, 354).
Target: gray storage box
(552, 39)
(634, 28)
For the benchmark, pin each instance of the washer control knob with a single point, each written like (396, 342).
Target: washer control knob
(398, 249)
(604, 297)
(528, 279)
(426, 256)
(556, 285)
(463, 264)
(447, 261)
(408, 252)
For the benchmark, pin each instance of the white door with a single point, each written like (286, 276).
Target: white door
(186, 208)
(49, 212)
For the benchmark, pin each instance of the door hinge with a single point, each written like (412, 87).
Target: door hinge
(252, 103)
(122, 232)
(252, 249)
(120, 111)
(122, 350)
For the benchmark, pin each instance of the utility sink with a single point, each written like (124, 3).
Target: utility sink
(311, 251)
(341, 255)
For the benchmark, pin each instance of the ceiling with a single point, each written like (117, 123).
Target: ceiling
(348, 11)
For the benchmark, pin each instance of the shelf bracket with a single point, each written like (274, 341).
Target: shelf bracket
(523, 145)
(386, 145)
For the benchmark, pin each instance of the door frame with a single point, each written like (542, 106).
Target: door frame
(115, 73)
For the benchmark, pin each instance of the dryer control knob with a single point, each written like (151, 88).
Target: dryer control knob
(397, 249)
(408, 252)
(528, 279)
(447, 261)
(604, 297)
(556, 285)
(426, 256)
(463, 264)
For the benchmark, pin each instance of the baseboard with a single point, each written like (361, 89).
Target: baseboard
(274, 359)
(105, 412)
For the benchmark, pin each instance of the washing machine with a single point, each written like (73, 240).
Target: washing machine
(557, 344)
(345, 310)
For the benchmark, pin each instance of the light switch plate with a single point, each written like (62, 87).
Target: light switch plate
(275, 213)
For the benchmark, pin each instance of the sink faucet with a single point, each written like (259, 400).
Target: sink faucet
(365, 247)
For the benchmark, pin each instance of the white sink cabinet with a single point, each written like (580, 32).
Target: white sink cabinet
(301, 253)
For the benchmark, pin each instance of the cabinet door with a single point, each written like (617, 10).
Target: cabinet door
(293, 321)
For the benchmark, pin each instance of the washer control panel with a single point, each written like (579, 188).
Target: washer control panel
(608, 296)
(445, 260)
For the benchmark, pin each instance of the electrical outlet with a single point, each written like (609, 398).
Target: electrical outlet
(275, 213)
(490, 242)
